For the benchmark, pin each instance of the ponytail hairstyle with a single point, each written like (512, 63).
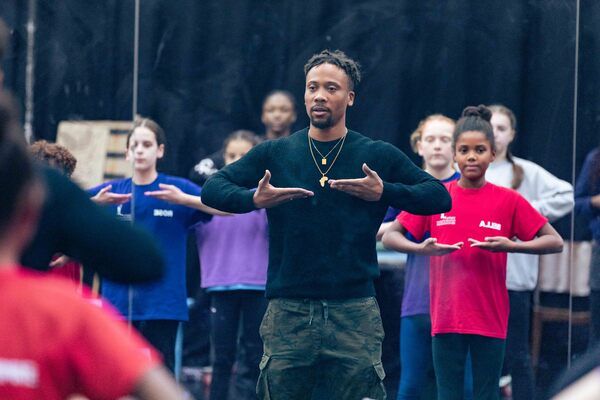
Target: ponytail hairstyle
(159, 133)
(16, 168)
(518, 172)
(475, 118)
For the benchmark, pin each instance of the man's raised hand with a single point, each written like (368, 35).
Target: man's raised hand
(369, 188)
(267, 195)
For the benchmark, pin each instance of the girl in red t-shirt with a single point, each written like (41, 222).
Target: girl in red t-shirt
(468, 245)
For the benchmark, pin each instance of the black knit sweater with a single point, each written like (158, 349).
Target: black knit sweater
(323, 247)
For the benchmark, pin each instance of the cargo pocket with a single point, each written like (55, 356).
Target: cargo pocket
(265, 324)
(379, 370)
(262, 387)
(377, 391)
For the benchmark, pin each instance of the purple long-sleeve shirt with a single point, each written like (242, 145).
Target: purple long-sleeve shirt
(234, 250)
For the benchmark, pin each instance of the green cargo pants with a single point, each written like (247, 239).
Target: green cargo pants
(321, 349)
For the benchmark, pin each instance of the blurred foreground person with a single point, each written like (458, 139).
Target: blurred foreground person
(52, 342)
(60, 158)
(71, 224)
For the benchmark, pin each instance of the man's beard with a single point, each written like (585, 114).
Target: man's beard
(322, 123)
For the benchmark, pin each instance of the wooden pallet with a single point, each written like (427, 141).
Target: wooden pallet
(99, 147)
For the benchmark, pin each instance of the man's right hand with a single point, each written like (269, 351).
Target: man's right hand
(267, 195)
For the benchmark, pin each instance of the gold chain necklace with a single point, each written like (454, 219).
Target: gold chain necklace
(324, 157)
(324, 177)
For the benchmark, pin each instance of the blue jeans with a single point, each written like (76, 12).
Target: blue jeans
(416, 359)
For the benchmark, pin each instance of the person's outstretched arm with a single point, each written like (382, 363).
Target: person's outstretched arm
(232, 188)
(399, 183)
(546, 241)
(554, 196)
(528, 225)
(395, 238)
(72, 224)
(175, 195)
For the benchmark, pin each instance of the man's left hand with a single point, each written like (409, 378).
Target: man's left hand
(369, 188)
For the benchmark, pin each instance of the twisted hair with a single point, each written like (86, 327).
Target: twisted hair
(518, 172)
(340, 60)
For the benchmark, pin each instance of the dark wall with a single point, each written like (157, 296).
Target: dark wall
(206, 65)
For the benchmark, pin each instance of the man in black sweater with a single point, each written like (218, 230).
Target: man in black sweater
(326, 189)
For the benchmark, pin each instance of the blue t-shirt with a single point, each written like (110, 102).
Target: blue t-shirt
(168, 223)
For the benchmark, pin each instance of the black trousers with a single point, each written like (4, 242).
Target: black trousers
(236, 311)
(517, 359)
(161, 333)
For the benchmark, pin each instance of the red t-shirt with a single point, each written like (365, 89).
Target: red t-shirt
(53, 343)
(468, 287)
(71, 271)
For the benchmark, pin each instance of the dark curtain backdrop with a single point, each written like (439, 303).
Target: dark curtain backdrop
(205, 66)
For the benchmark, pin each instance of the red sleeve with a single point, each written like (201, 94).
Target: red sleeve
(108, 358)
(527, 221)
(416, 225)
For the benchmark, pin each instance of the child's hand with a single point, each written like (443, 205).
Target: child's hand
(431, 247)
(105, 196)
(169, 193)
(493, 244)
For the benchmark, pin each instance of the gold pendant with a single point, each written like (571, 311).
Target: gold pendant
(323, 161)
(323, 180)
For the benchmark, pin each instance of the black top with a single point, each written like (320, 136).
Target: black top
(324, 246)
(72, 224)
